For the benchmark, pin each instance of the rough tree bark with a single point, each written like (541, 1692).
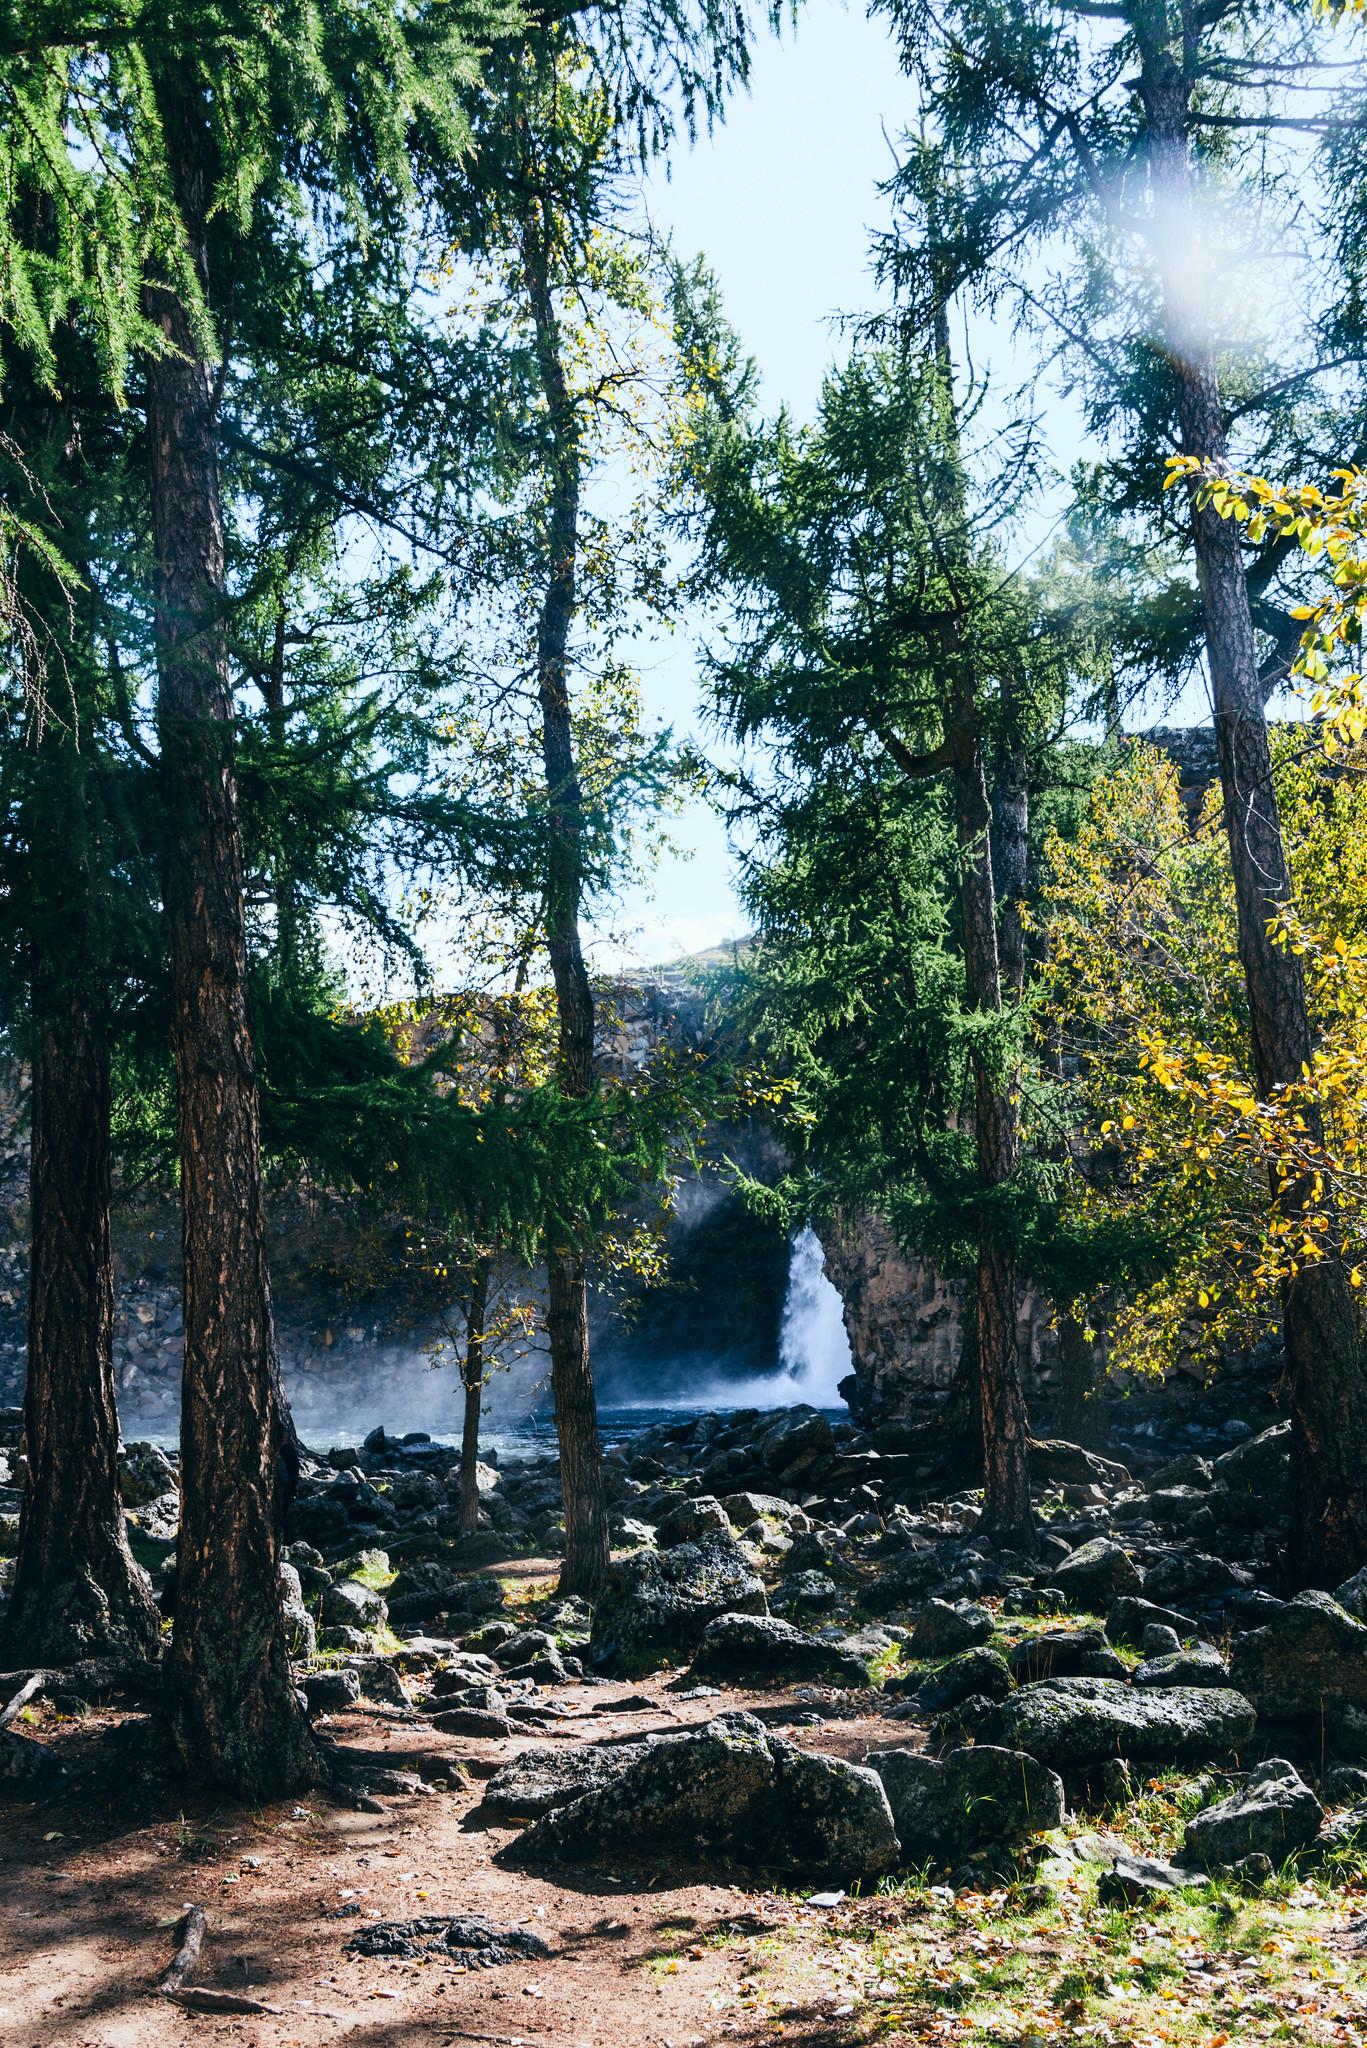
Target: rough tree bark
(77, 1591)
(576, 1407)
(472, 1374)
(1323, 1342)
(236, 1717)
(1011, 852)
(1007, 1513)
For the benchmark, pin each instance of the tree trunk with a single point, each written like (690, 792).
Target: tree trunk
(472, 1377)
(576, 1407)
(237, 1720)
(77, 1590)
(1007, 1514)
(1077, 1368)
(1011, 856)
(1323, 1342)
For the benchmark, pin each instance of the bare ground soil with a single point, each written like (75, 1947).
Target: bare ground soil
(92, 1886)
(648, 1955)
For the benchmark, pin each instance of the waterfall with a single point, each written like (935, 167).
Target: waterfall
(813, 1349)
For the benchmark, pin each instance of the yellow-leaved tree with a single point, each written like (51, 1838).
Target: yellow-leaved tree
(1144, 994)
(1222, 1196)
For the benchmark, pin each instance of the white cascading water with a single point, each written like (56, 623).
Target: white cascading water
(813, 1349)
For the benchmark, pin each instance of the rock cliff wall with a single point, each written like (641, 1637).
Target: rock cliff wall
(905, 1325)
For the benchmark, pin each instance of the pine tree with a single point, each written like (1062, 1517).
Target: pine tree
(67, 785)
(1119, 120)
(877, 631)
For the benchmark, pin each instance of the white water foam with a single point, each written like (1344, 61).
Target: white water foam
(813, 1349)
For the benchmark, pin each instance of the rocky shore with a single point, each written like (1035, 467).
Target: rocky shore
(764, 1552)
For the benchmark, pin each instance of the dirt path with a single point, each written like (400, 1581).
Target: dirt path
(641, 1959)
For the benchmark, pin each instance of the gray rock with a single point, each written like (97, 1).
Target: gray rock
(349, 1604)
(537, 1780)
(424, 1589)
(1272, 1814)
(1344, 1785)
(975, 1797)
(481, 1722)
(145, 1474)
(1352, 1595)
(1202, 1665)
(490, 1636)
(749, 1646)
(942, 1630)
(743, 1509)
(1258, 1466)
(1158, 1640)
(1132, 1879)
(28, 1763)
(1065, 1653)
(795, 1443)
(733, 1789)
(1189, 1575)
(1310, 1656)
(660, 1602)
(343, 1638)
(1079, 1721)
(1180, 1507)
(1096, 1573)
(380, 1680)
(1346, 1834)
(1054, 1462)
(301, 1633)
(806, 1593)
(331, 1692)
(980, 1672)
(1128, 1618)
(523, 1646)
(690, 1518)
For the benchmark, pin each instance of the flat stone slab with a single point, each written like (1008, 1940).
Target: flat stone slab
(1066, 1722)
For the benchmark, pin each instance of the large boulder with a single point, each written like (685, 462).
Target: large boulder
(145, 1474)
(976, 1797)
(806, 1593)
(1257, 1468)
(1311, 1655)
(350, 1604)
(1080, 1721)
(1201, 1665)
(537, 1780)
(744, 1647)
(981, 1674)
(689, 1518)
(1352, 1595)
(1129, 1617)
(904, 1584)
(1097, 1573)
(1189, 1575)
(301, 1634)
(942, 1629)
(1065, 1653)
(744, 1509)
(1273, 1813)
(733, 1789)
(425, 1588)
(659, 1603)
(794, 1443)
(1055, 1462)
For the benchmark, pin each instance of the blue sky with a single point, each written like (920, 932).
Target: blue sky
(780, 200)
